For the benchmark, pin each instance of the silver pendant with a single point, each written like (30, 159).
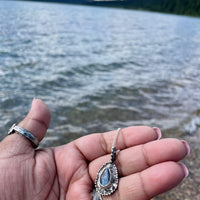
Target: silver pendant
(107, 178)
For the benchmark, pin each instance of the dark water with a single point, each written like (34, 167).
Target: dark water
(99, 69)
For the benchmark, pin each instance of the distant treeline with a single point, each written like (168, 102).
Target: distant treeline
(183, 7)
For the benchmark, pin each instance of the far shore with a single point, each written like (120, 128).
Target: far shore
(123, 5)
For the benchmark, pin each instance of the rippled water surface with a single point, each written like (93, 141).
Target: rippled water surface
(98, 68)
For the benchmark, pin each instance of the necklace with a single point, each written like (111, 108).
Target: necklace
(107, 177)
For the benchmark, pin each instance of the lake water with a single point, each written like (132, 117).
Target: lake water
(99, 68)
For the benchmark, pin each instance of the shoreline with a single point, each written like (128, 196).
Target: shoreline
(190, 187)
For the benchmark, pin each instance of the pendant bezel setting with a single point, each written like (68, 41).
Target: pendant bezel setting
(112, 185)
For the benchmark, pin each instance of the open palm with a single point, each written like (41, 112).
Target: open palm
(147, 166)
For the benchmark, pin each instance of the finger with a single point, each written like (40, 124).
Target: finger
(150, 182)
(96, 145)
(138, 158)
(38, 119)
(36, 122)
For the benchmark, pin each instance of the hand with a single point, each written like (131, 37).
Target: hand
(147, 166)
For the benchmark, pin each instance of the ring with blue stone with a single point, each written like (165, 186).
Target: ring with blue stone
(107, 178)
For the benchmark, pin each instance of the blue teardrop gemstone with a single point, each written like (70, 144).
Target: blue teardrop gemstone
(105, 177)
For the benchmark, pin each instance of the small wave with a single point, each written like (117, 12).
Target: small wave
(192, 127)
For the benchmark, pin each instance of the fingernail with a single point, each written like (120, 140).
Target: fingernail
(186, 146)
(33, 103)
(34, 99)
(158, 131)
(185, 169)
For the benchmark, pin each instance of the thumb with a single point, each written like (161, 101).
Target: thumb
(36, 122)
(38, 119)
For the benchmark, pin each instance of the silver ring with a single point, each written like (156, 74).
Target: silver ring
(25, 133)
